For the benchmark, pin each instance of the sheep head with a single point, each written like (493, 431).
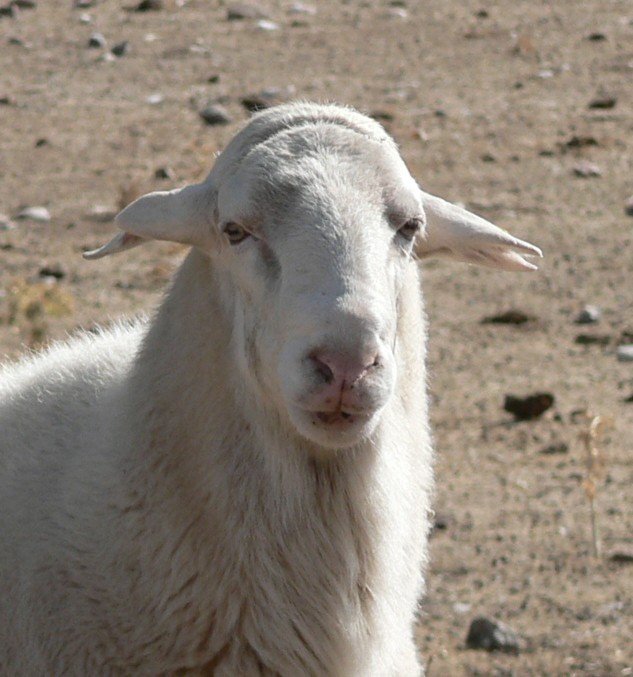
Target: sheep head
(314, 224)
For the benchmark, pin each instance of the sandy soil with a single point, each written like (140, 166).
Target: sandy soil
(485, 99)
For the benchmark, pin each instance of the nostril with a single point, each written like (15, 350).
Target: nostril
(321, 368)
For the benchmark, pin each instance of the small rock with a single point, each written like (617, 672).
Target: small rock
(84, 4)
(509, 317)
(625, 353)
(9, 10)
(596, 37)
(40, 214)
(101, 214)
(121, 48)
(241, 10)
(264, 99)
(25, 4)
(213, 79)
(586, 169)
(622, 557)
(149, 6)
(603, 102)
(6, 223)
(492, 635)
(164, 173)
(300, 8)
(39, 143)
(580, 141)
(397, 13)
(85, 18)
(556, 448)
(6, 101)
(97, 41)
(528, 408)
(214, 114)
(267, 25)
(54, 271)
(589, 315)
(155, 99)
(593, 339)
(628, 206)
(629, 399)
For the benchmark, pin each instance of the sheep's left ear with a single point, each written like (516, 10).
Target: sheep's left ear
(458, 234)
(182, 215)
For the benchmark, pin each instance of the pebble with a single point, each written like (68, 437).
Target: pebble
(625, 353)
(25, 4)
(163, 173)
(267, 25)
(628, 206)
(589, 315)
(54, 271)
(85, 18)
(586, 169)
(121, 48)
(596, 37)
(84, 4)
(10, 10)
(593, 339)
(491, 635)
(528, 408)
(97, 41)
(604, 102)
(6, 223)
(509, 317)
(149, 6)
(40, 214)
(300, 8)
(241, 10)
(214, 114)
(155, 99)
(555, 448)
(101, 214)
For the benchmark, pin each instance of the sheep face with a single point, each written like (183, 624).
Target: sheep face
(318, 229)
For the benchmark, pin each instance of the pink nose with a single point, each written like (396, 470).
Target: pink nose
(342, 371)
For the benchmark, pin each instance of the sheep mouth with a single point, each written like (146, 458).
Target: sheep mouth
(337, 417)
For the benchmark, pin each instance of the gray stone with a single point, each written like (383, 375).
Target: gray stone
(586, 169)
(588, 315)
(628, 206)
(242, 10)
(625, 353)
(121, 48)
(34, 214)
(214, 114)
(97, 41)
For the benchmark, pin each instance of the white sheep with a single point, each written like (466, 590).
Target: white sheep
(240, 486)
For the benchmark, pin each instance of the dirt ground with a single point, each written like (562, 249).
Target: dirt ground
(491, 105)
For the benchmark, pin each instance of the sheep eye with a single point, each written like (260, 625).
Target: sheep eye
(410, 228)
(235, 233)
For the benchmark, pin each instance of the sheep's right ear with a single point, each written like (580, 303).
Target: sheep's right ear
(184, 215)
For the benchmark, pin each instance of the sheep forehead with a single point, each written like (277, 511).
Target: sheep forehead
(321, 170)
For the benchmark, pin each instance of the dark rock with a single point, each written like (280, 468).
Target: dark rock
(52, 271)
(97, 41)
(588, 315)
(213, 79)
(241, 10)
(621, 558)
(580, 141)
(9, 10)
(603, 102)
(556, 448)
(261, 101)
(25, 4)
(491, 635)
(149, 6)
(6, 101)
(121, 48)
(592, 339)
(482, 14)
(530, 407)
(596, 37)
(42, 142)
(84, 4)
(163, 173)
(628, 206)
(629, 399)
(214, 114)
(509, 317)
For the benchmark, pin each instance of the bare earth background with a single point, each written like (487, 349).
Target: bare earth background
(489, 102)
